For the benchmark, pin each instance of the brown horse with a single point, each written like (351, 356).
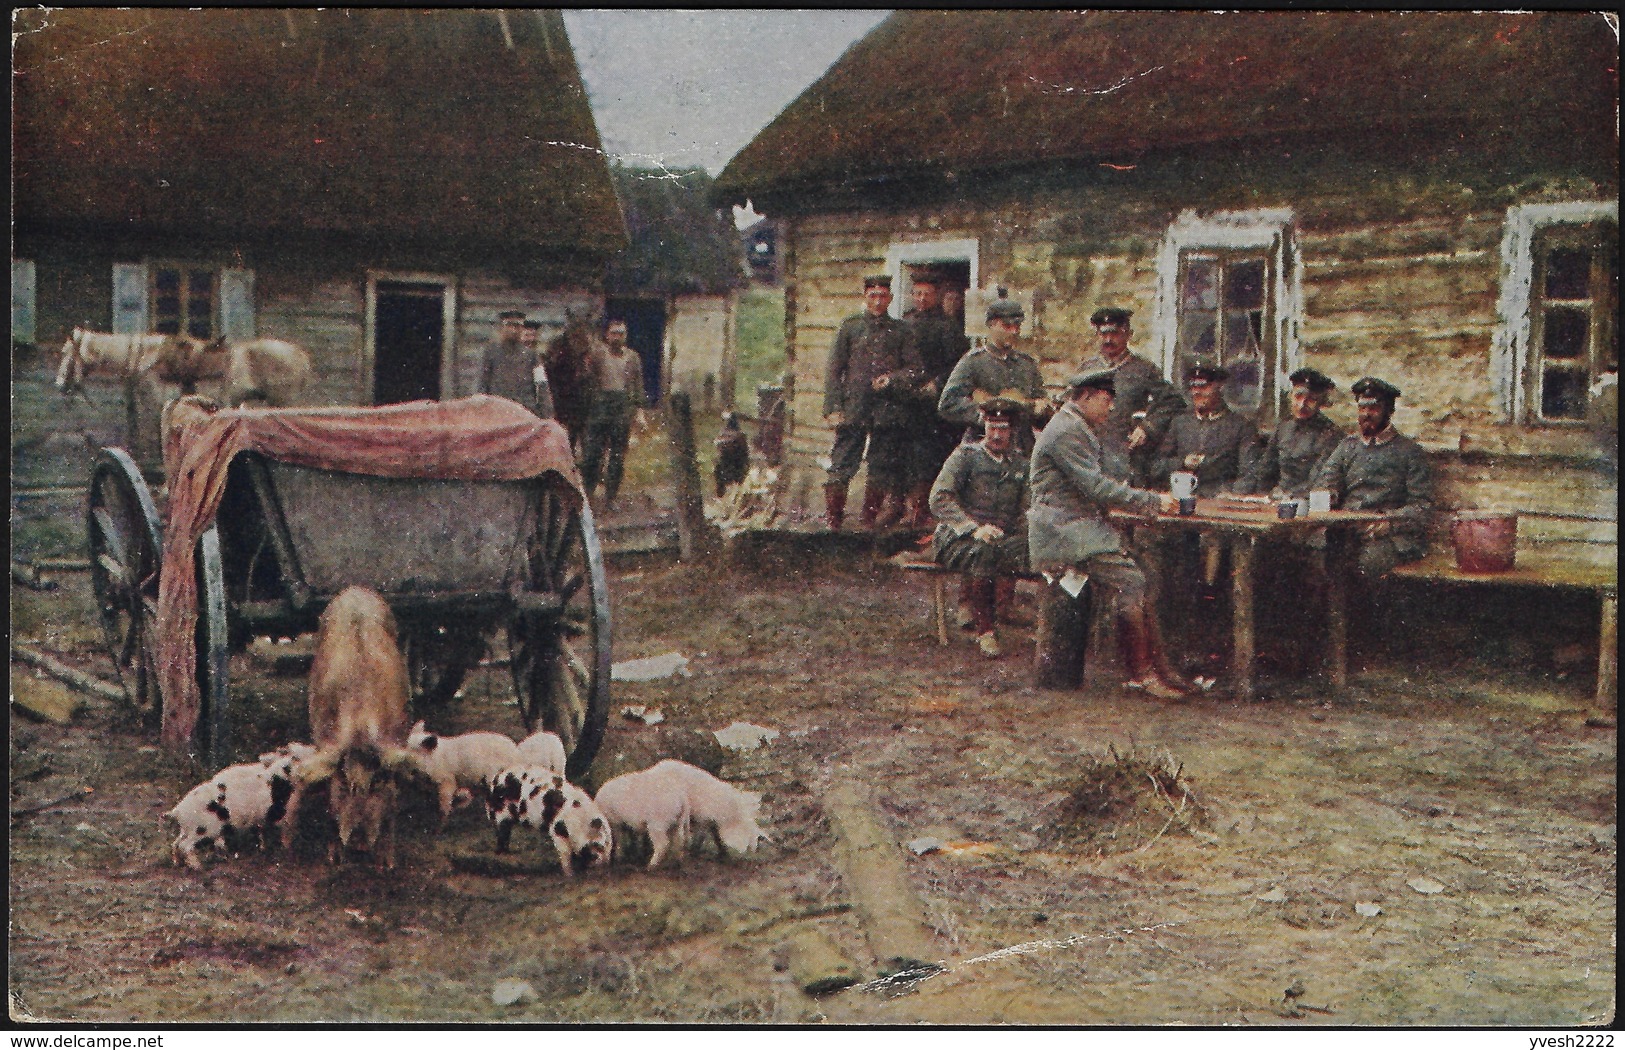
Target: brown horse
(567, 373)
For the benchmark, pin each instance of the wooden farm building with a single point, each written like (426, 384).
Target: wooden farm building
(676, 283)
(1427, 197)
(373, 184)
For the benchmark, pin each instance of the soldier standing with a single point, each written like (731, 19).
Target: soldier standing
(507, 369)
(995, 370)
(979, 499)
(1146, 402)
(616, 373)
(873, 369)
(940, 342)
(1378, 468)
(1300, 444)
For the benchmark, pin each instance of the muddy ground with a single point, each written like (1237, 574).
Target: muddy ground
(1434, 846)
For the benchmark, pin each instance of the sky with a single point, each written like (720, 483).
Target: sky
(691, 88)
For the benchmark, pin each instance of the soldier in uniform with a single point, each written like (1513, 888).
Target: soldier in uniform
(1146, 402)
(979, 500)
(1207, 439)
(616, 372)
(1300, 443)
(530, 341)
(1377, 468)
(873, 370)
(995, 370)
(1075, 479)
(940, 342)
(506, 368)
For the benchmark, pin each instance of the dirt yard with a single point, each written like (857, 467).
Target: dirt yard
(1435, 846)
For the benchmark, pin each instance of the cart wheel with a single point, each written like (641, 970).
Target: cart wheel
(438, 658)
(560, 657)
(213, 650)
(122, 527)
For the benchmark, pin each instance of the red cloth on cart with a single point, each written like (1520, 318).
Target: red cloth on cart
(479, 438)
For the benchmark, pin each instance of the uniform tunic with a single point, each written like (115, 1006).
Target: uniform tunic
(867, 347)
(1140, 388)
(983, 370)
(1289, 461)
(976, 488)
(1226, 440)
(941, 344)
(510, 372)
(1390, 474)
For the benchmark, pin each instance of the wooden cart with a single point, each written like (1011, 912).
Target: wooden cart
(462, 564)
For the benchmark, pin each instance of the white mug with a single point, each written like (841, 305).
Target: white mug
(1320, 501)
(1182, 484)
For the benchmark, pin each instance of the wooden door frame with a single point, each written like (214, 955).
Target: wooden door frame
(448, 327)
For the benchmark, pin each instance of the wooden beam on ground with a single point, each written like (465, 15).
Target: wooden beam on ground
(63, 673)
(871, 866)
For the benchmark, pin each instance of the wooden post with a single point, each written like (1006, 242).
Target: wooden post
(1062, 638)
(696, 537)
(1241, 612)
(1335, 571)
(1608, 658)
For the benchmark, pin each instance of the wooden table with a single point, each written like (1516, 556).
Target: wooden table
(1242, 526)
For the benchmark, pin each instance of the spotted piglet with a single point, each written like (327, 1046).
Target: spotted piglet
(248, 799)
(670, 800)
(537, 797)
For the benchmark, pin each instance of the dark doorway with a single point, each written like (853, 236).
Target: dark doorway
(408, 338)
(646, 333)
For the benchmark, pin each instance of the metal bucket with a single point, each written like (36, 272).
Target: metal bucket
(1484, 540)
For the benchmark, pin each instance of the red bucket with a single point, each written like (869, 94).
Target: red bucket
(1485, 540)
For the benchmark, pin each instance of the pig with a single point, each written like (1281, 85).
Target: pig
(567, 816)
(249, 799)
(543, 749)
(468, 760)
(670, 800)
(358, 695)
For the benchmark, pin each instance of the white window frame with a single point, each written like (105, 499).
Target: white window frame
(448, 326)
(904, 254)
(1511, 349)
(1268, 229)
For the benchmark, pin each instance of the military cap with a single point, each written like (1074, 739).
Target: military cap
(1111, 318)
(926, 275)
(1099, 379)
(1206, 372)
(877, 280)
(1002, 309)
(511, 315)
(1001, 410)
(1317, 382)
(1375, 390)
(533, 324)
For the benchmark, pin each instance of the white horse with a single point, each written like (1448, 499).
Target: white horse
(269, 370)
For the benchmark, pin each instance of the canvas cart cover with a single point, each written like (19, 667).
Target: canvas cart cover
(479, 438)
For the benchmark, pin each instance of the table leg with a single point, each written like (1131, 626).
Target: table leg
(1335, 574)
(939, 607)
(1241, 613)
(1608, 658)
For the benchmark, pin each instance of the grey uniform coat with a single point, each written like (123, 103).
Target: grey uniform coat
(1296, 449)
(1393, 477)
(511, 373)
(1074, 481)
(1226, 440)
(867, 347)
(1140, 387)
(981, 370)
(976, 488)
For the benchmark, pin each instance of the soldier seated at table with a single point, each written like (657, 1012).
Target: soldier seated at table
(1300, 444)
(1376, 468)
(979, 500)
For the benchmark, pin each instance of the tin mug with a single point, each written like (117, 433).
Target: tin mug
(1187, 506)
(1286, 510)
(1320, 501)
(1182, 484)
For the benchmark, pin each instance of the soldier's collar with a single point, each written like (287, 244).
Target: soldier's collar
(1215, 414)
(1387, 434)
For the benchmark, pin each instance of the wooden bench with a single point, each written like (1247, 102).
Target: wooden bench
(1547, 565)
(940, 577)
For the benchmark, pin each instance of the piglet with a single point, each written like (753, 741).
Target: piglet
(251, 798)
(670, 800)
(466, 761)
(543, 749)
(566, 816)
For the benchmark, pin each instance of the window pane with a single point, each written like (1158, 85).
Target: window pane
(1244, 285)
(1567, 329)
(1201, 285)
(167, 326)
(198, 325)
(1244, 359)
(1196, 333)
(1563, 394)
(1568, 274)
(167, 282)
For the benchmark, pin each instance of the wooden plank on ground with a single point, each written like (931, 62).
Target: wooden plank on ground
(871, 865)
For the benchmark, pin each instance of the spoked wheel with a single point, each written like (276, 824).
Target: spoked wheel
(558, 643)
(122, 526)
(438, 658)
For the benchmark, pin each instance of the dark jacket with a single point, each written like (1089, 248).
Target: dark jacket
(975, 488)
(867, 347)
(1289, 461)
(1226, 440)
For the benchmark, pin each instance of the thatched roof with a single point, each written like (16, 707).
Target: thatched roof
(419, 126)
(942, 93)
(681, 243)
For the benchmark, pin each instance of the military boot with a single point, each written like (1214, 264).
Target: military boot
(834, 505)
(873, 497)
(919, 509)
(891, 510)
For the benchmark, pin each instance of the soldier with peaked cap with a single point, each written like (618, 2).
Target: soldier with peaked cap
(1207, 439)
(508, 368)
(1076, 479)
(995, 370)
(1146, 402)
(1377, 468)
(979, 500)
(941, 342)
(873, 371)
(1300, 444)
